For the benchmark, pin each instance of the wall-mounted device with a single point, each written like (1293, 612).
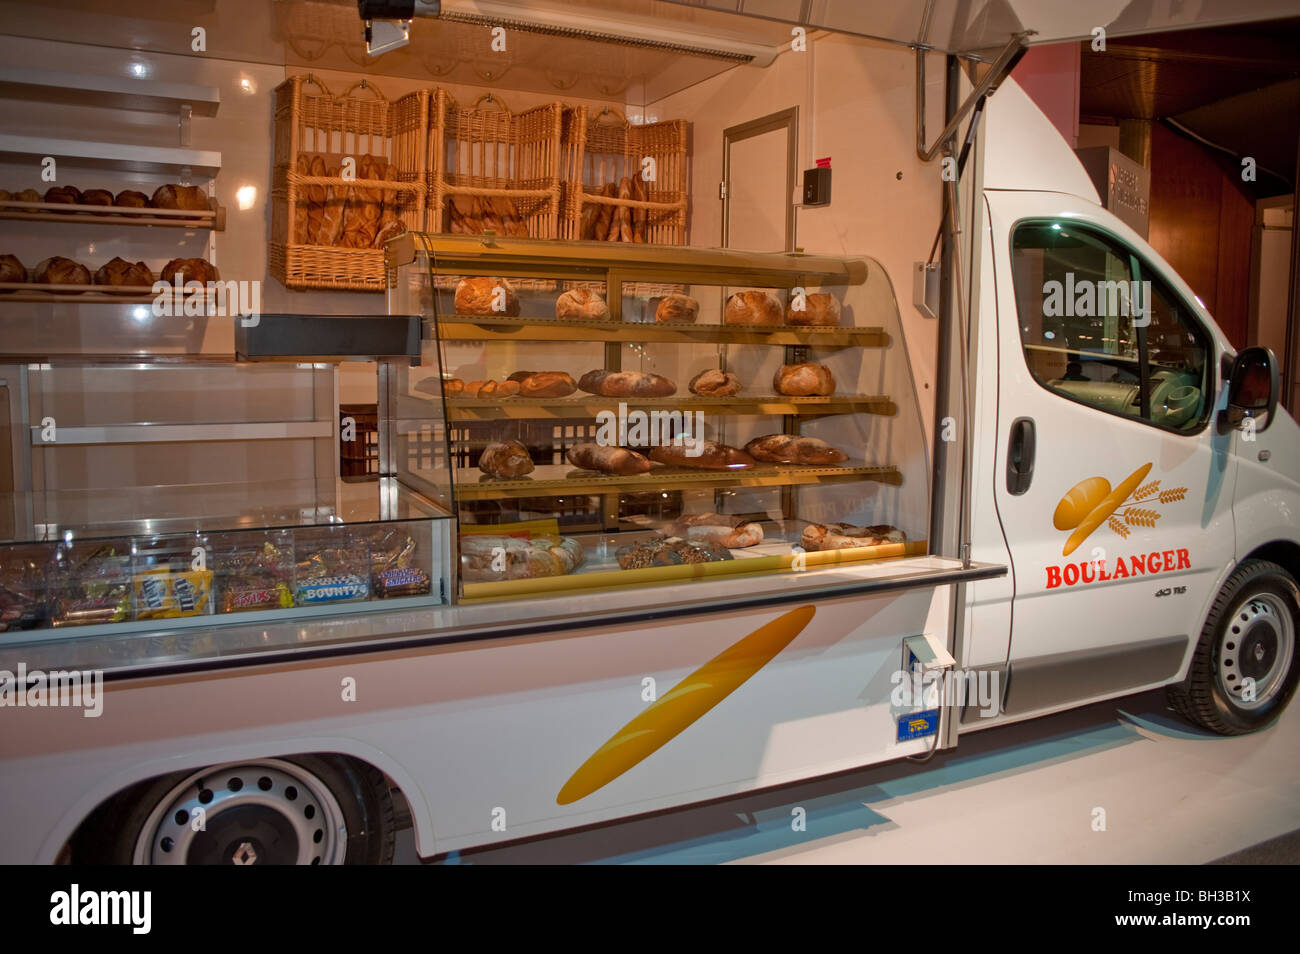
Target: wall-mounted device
(817, 184)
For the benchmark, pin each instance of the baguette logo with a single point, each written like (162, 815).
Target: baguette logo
(1131, 503)
(684, 704)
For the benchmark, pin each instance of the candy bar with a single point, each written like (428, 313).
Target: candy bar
(332, 589)
(402, 581)
(238, 599)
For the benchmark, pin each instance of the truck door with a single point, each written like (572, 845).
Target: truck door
(1112, 483)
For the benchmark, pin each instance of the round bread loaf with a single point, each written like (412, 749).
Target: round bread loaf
(28, 195)
(582, 304)
(190, 270)
(63, 195)
(479, 296)
(520, 375)
(5, 195)
(677, 308)
(505, 459)
(819, 309)
(753, 308)
(547, 384)
(804, 380)
(11, 269)
(118, 271)
(130, 199)
(715, 383)
(96, 197)
(453, 387)
(61, 271)
(181, 198)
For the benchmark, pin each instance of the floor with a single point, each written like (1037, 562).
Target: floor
(1123, 782)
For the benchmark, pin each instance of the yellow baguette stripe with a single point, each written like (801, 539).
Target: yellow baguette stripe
(1109, 504)
(683, 704)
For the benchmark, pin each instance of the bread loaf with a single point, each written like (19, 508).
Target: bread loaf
(838, 536)
(182, 198)
(520, 375)
(465, 215)
(640, 217)
(61, 271)
(5, 195)
(721, 529)
(753, 308)
(587, 225)
(480, 296)
(453, 387)
(607, 460)
(819, 309)
(63, 195)
(505, 459)
(11, 269)
(131, 199)
(28, 195)
(712, 456)
(96, 197)
(668, 551)
(789, 449)
(487, 389)
(547, 384)
(190, 270)
(336, 207)
(605, 217)
(804, 380)
(581, 304)
(677, 308)
(484, 557)
(715, 383)
(119, 272)
(625, 231)
(626, 384)
(364, 206)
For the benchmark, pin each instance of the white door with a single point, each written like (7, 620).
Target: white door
(1113, 482)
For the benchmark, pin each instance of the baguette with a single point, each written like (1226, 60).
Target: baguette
(607, 460)
(640, 217)
(336, 205)
(625, 231)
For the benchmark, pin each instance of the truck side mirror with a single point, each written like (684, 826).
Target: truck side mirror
(1253, 388)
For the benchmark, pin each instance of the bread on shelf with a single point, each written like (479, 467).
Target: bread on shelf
(755, 309)
(120, 272)
(715, 383)
(790, 449)
(190, 270)
(180, 198)
(58, 270)
(677, 308)
(581, 304)
(808, 379)
(818, 309)
(12, 270)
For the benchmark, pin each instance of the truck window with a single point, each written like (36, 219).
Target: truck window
(1097, 327)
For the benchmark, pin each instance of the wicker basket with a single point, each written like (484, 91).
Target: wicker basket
(361, 122)
(605, 148)
(487, 151)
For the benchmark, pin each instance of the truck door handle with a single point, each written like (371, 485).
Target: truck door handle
(1020, 456)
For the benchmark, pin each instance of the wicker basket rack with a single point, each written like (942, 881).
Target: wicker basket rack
(603, 150)
(487, 152)
(363, 125)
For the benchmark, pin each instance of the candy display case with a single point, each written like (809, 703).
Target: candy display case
(371, 546)
(634, 414)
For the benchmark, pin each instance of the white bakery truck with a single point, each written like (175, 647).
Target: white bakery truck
(1030, 475)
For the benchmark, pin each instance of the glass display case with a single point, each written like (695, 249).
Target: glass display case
(177, 557)
(635, 414)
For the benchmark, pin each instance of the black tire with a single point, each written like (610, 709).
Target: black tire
(1204, 697)
(109, 834)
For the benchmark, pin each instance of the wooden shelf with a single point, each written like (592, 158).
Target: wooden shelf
(587, 405)
(114, 92)
(494, 328)
(214, 218)
(83, 294)
(562, 480)
(111, 155)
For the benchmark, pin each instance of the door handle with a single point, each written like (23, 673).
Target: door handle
(1020, 456)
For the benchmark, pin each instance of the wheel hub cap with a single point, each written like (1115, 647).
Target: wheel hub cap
(1255, 652)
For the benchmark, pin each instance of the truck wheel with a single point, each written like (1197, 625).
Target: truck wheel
(308, 810)
(1245, 667)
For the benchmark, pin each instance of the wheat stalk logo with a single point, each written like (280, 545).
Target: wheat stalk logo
(1092, 502)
